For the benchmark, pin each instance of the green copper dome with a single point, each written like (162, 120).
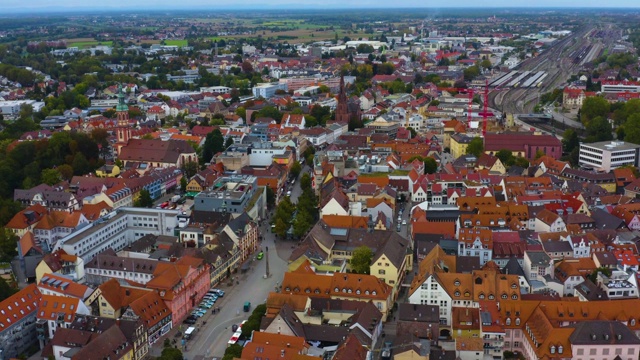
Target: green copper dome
(122, 106)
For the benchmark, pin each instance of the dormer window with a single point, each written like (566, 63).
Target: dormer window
(457, 293)
(508, 321)
(553, 349)
(337, 289)
(560, 349)
(633, 322)
(514, 297)
(517, 321)
(374, 292)
(358, 292)
(481, 296)
(504, 296)
(491, 297)
(456, 283)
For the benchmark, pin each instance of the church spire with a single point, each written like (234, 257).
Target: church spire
(122, 105)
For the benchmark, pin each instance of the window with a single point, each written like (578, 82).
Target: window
(517, 321)
(381, 272)
(457, 293)
(592, 351)
(516, 344)
(504, 296)
(605, 351)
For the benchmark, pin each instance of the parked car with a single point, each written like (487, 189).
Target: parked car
(260, 255)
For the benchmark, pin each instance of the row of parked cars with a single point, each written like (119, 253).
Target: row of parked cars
(206, 304)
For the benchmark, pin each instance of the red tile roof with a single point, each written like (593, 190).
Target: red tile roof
(19, 305)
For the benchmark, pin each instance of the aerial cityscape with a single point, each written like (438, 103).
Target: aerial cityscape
(344, 180)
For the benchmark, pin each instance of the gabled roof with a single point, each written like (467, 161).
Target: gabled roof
(150, 308)
(65, 286)
(52, 308)
(19, 305)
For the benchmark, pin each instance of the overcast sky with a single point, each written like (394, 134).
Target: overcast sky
(62, 5)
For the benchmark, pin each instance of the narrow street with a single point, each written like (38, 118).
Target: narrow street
(213, 331)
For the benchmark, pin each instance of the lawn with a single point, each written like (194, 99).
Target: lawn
(87, 44)
(176, 42)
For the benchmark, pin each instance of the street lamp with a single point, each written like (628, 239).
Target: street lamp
(266, 256)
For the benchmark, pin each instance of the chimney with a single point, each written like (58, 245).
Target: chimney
(118, 322)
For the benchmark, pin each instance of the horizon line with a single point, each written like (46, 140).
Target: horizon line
(57, 10)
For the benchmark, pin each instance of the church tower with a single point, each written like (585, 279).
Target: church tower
(342, 110)
(123, 130)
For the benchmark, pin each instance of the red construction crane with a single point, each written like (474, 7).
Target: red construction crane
(485, 110)
(470, 92)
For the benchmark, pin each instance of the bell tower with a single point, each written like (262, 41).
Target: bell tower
(123, 129)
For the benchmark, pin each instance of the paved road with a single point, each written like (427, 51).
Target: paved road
(563, 119)
(211, 339)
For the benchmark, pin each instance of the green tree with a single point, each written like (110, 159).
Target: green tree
(570, 140)
(594, 274)
(302, 223)
(171, 353)
(213, 144)
(485, 64)
(593, 107)
(190, 168)
(505, 156)
(8, 245)
(430, 165)
(281, 227)
(475, 147)
(296, 168)
(632, 129)
(361, 260)
(6, 290)
(598, 129)
(81, 165)
(228, 142)
(271, 197)
(233, 351)
(413, 132)
(50, 176)
(242, 112)
(305, 181)
(471, 72)
(144, 200)
(183, 184)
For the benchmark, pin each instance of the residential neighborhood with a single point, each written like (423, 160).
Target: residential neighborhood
(233, 187)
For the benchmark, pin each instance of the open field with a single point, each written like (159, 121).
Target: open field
(293, 36)
(86, 42)
(176, 42)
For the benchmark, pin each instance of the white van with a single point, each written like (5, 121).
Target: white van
(189, 332)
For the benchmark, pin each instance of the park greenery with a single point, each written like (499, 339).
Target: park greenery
(298, 217)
